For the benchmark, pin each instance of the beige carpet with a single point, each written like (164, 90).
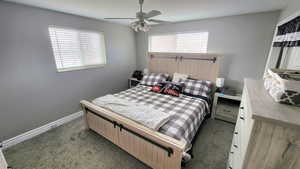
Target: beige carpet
(72, 147)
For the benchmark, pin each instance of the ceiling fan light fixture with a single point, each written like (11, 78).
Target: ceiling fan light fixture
(140, 26)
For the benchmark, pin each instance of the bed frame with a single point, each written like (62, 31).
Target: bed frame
(155, 149)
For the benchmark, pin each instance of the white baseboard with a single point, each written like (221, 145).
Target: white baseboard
(32, 133)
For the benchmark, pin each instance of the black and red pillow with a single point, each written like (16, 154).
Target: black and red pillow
(173, 89)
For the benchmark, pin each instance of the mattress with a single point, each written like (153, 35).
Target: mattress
(187, 113)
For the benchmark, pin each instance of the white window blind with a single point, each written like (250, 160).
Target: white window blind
(179, 43)
(77, 49)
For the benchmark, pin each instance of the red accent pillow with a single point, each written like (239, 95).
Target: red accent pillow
(158, 88)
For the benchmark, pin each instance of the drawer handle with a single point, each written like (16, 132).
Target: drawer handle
(231, 152)
(236, 132)
(242, 108)
(242, 118)
(230, 167)
(235, 146)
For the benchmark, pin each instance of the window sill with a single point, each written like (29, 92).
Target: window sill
(80, 68)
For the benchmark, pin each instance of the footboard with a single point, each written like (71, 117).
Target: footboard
(151, 147)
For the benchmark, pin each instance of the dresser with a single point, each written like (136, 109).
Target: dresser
(3, 164)
(267, 134)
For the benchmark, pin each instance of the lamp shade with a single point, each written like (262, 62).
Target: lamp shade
(220, 82)
(146, 71)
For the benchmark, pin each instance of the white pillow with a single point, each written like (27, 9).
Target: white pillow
(178, 76)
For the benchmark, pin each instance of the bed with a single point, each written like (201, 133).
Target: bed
(165, 148)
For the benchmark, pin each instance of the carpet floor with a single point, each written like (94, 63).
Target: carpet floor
(72, 147)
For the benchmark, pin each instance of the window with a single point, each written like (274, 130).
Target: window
(179, 43)
(77, 49)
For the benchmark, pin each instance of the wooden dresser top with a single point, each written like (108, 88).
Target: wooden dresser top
(263, 107)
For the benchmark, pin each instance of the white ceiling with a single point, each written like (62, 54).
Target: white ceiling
(173, 10)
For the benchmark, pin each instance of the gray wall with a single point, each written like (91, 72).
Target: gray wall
(292, 7)
(32, 93)
(244, 41)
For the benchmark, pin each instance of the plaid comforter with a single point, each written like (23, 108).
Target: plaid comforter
(187, 112)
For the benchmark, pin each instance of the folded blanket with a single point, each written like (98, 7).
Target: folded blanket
(145, 115)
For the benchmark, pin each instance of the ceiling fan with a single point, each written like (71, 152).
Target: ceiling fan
(143, 19)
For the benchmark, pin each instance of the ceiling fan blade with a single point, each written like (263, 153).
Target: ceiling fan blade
(119, 18)
(152, 13)
(157, 21)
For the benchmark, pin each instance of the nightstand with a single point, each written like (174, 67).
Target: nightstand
(3, 164)
(132, 82)
(226, 107)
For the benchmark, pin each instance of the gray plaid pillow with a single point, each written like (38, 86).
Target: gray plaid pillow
(197, 87)
(154, 78)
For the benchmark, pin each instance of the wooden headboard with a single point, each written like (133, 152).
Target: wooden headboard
(198, 66)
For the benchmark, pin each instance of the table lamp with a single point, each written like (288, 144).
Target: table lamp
(220, 84)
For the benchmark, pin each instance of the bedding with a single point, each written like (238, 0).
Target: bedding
(154, 78)
(143, 114)
(187, 113)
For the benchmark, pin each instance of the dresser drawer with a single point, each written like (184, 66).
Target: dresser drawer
(234, 154)
(3, 164)
(230, 159)
(237, 145)
(242, 113)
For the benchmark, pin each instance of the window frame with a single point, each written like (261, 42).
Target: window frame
(75, 68)
(174, 33)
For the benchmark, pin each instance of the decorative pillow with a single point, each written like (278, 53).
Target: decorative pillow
(197, 87)
(178, 76)
(158, 88)
(154, 78)
(173, 89)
